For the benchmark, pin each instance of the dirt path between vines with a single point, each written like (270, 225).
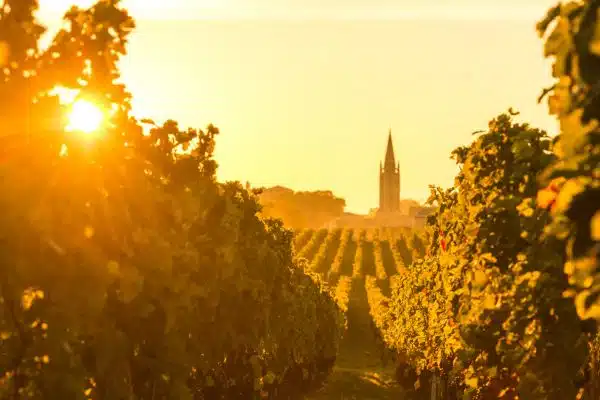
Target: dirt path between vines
(360, 372)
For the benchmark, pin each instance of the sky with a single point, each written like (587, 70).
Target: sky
(305, 91)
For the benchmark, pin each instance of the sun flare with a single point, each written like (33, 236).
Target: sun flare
(85, 117)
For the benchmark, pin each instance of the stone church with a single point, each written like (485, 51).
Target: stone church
(390, 212)
(389, 181)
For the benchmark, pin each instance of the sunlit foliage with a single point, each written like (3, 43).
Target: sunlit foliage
(573, 181)
(126, 270)
(485, 308)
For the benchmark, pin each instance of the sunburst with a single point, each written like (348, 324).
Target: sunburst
(85, 117)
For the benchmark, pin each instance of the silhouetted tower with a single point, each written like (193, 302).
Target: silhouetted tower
(389, 180)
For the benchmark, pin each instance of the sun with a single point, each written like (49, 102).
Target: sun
(85, 117)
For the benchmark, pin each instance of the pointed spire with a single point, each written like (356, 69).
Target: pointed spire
(389, 152)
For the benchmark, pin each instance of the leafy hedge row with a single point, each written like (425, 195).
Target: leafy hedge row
(126, 270)
(485, 307)
(489, 308)
(572, 193)
(324, 256)
(335, 271)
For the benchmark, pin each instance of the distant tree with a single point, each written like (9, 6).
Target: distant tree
(406, 204)
(301, 209)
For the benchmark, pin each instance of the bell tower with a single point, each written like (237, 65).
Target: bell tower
(389, 180)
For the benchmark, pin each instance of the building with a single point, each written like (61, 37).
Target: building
(391, 212)
(420, 214)
(389, 181)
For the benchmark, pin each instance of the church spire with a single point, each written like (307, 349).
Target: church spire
(389, 180)
(389, 152)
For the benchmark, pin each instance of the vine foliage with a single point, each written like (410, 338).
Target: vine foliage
(573, 181)
(484, 307)
(126, 269)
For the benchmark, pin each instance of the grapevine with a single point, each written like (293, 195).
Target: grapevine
(336, 267)
(326, 251)
(378, 308)
(398, 258)
(312, 246)
(302, 237)
(127, 270)
(484, 308)
(357, 266)
(342, 292)
(572, 192)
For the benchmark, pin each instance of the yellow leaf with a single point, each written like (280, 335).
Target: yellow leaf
(528, 212)
(489, 302)
(595, 227)
(595, 46)
(29, 296)
(480, 278)
(586, 311)
(545, 198)
(571, 188)
(595, 41)
(569, 268)
(472, 382)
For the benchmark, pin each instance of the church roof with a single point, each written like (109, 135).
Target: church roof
(389, 151)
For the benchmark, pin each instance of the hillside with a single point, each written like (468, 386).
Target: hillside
(360, 267)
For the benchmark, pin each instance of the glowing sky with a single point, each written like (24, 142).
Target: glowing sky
(304, 91)
(322, 9)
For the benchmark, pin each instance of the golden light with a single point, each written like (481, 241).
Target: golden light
(85, 117)
(4, 53)
(65, 95)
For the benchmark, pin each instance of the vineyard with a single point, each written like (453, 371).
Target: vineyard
(127, 271)
(361, 267)
(382, 253)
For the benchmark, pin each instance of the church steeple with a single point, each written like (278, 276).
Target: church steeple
(390, 160)
(389, 180)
